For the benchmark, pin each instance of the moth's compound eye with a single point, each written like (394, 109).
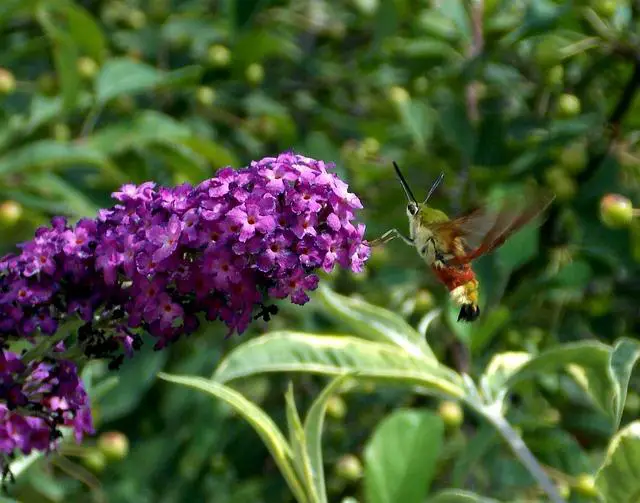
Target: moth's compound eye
(412, 208)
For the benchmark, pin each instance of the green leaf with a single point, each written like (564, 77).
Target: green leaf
(622, 359)
(50, 154)
(122, 76)
(485, 437)
(519, 248)
(374, 323)
(84, 30)
(458, 496)
(215, 153)
(256, 46)
(386, 23)
(298, 443)
(401, 457)
(313, 425)
(619, 476)
(501, 367)
(585, 361)
(335, 355)
(264, 426)
(135, 378)
(65, 56)
(76, 203)
(457, 128)
(586, 354)
(148, 127)
(418, 120)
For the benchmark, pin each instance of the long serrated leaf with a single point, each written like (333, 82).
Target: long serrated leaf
(50, 154)
(148, 127)
(618, 478)
(458, 496)
(375, 323)
(588, 353)
(401, 457)
(313, 424)
(65, 56)
(264, 426)
(83, 29)
(622, 359)
(335, 355)
(122, 76)
(298, 443)
(75, 201)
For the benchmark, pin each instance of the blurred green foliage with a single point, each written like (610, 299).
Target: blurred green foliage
(498, 94)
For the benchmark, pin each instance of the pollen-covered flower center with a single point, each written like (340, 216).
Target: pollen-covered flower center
(274, 248)
(251, 220)
(225, 267)
(306, 197)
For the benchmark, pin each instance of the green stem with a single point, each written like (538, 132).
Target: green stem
(522, 452)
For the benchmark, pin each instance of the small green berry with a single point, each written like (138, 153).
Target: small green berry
(205, 96)
(568, 105)
(255, 73)
(349, 467)
(616, 211)
(398, 94)
(87, 67)
(114, 445)
(218, 55)
(10, 213)
(7, 81)
(452, 414)
(94, 460)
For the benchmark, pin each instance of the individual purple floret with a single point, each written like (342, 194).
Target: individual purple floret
(163, 257)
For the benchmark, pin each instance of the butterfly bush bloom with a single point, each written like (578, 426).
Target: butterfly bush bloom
(161, 260)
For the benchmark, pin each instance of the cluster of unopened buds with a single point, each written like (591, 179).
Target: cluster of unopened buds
(160, 261)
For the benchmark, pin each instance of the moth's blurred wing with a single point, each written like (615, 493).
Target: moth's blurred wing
(483, 230)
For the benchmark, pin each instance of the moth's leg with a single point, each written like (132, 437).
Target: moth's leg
(389, 235)
(440, 260)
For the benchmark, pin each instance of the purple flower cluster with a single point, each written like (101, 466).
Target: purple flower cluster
(163, 258)
(38, 398)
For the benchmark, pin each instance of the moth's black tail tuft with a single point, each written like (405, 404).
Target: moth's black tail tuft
(469, 312)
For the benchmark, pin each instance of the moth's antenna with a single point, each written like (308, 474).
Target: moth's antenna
(404, 184)
(434, 186)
